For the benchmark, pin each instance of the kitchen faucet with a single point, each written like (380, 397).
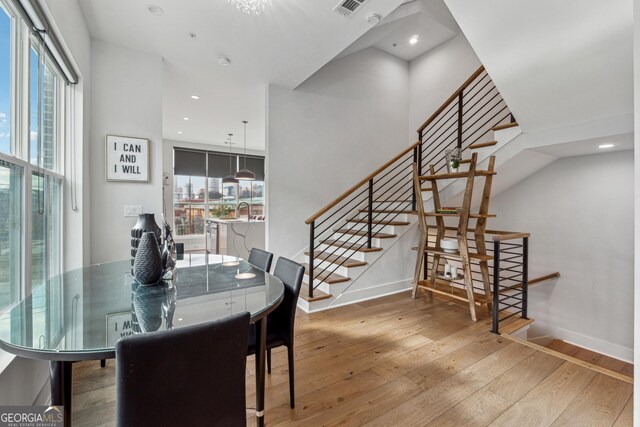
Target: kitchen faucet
(248, 209)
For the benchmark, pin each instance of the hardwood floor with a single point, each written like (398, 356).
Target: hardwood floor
(403, 362)
(592, 357)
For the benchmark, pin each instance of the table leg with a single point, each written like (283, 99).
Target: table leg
(60, 374)
(261, 344)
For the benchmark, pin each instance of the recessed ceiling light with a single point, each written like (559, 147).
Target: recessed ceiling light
(186, 118)
(180, 132)
(195, 97)
(413, 40)
(223, 60)
(603, 146)
(155, 10)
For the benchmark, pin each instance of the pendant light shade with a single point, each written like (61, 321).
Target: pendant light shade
(245, 174)
(229, 179)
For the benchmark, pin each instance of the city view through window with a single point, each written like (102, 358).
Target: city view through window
(196, 198)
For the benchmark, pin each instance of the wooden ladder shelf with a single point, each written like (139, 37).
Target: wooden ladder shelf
(433, 273)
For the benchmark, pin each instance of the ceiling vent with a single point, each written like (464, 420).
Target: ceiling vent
(348, 8)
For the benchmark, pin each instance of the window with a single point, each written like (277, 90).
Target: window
(199, 193)
(11, 231)
(30, 173)
(5, 81)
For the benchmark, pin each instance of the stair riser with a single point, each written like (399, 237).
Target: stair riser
(324, 287)
(378, 243)
(319, 265)
(360, 256)
(376, 228)
(391, 206)
(380, 216)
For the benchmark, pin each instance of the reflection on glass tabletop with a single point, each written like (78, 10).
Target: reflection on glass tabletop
(89, 309)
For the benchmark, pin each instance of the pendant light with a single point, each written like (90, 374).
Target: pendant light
(245, 174)
(230, 179)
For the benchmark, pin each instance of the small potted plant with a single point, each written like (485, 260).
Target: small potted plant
(453, 156)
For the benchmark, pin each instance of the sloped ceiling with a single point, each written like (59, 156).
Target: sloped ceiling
(554, 62)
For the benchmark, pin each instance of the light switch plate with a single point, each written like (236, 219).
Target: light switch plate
(132, 210)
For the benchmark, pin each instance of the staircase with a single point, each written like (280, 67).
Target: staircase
(348, 236)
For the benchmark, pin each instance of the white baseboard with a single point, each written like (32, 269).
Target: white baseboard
(355, 297)
(590, 343)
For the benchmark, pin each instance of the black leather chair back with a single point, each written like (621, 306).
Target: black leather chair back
(191, 376)
(261, 259)
(283, 317)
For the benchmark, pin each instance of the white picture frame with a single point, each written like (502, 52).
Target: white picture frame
(118, 325)
(127, 159)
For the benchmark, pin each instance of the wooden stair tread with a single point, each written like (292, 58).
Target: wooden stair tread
(390, 211)
(453, 292)
(458, 214)
(364, 233)
(326, 277)
(350, 246)
(515, 325)
(394, 223)
(505, 126)
(482, 145)
(455, 175)
(334, 259)
(317, 294)
(439, 251)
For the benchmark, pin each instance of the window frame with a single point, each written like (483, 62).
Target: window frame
(21, 42)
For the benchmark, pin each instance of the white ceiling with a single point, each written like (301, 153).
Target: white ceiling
(430, 20)
(284, 46)
(554, 62)
(590, 146)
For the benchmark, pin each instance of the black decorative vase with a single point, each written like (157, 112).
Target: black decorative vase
(147, 265)
(146, 222)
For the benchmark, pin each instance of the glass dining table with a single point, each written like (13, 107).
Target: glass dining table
(81, 314)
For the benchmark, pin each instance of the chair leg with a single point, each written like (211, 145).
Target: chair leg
(103, 363)
(292, 399)
(269, 361)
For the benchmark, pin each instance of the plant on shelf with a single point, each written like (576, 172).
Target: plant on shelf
(454, 157)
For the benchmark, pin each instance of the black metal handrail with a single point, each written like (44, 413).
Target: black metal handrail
(465, 118)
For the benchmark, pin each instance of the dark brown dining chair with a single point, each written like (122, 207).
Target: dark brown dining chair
(280, 323)
(261, 259)
(191, 376)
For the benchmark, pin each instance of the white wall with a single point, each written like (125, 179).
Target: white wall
(434, 76)
(579, 211)
(126, 100)
(345, 121)
(636, 198)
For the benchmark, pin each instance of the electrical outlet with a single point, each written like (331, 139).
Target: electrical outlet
(132, 210)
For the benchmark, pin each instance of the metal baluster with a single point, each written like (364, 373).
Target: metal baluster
(525, 276)
(460, 120)
(496, 285)
(370, 215)
(312, 254)
(413, 195)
